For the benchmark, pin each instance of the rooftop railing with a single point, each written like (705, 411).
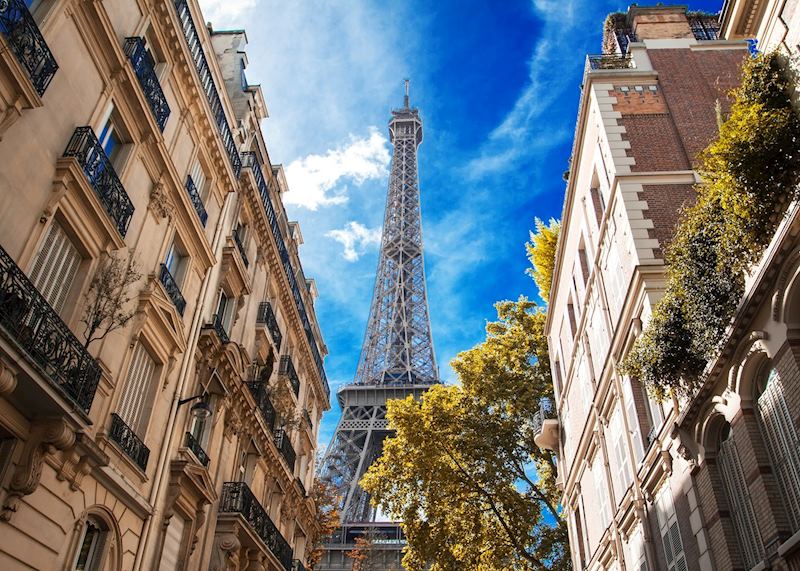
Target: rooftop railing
(251, 161)
(609, 61)
(144, 68)
(101, 175)
(27, 43)
(237, 498)
(37, 329)
(208, 84)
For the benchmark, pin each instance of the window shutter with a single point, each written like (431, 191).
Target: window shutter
(617, 428)
(783, 444)
(744, 518)
(633, 420)
(198, 177)
(670, 532)
(137, 390)
(173, 538)
(56, 267)
(602, 493)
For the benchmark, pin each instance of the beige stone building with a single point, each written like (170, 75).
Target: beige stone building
(712, 482)
(186, 438)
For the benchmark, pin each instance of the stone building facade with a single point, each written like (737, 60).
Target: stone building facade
(186, 438)
(704, 483)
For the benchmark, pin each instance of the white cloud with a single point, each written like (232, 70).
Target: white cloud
(225, 12)
(355, 238)
(315, 180)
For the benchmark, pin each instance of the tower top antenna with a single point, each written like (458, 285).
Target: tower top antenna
(406, 81)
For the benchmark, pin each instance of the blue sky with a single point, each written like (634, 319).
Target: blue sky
(497, 84)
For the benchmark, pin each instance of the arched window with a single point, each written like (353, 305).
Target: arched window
(95, 550)
(783, 444)
(744, 517)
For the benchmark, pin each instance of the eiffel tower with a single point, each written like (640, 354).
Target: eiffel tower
(397, 359)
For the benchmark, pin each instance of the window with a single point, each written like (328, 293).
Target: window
(91, 546)
(571, 312)
(637, 560)
(633, 417)
(176, 261)
(584, 262)
(580, 535)
(225, 310)
(741, 507)
(199, 424)
(617, 437)
(173, 540)
(56, 267)
(109, 139)
(199, 178)
(782, 442)
(669, 531)
(246, 465)
(601, 489)
(133, 407)
(242, 76)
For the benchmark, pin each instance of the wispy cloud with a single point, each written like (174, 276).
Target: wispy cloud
(355, 238)
(225, 12)
(520, 134)
(317, 180)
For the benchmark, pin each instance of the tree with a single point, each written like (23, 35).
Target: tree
(108, 297)
(326, 517)
(542, 254)
(462, 472)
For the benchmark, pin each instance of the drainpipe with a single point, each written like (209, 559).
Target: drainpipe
(147, 533)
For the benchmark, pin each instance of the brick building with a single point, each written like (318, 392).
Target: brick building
(705, 483)
(186, 438)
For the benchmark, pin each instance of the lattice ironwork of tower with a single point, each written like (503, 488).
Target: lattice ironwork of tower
(397, 357)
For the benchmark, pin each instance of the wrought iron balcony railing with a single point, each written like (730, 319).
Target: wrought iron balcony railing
(27, 43)
(193, 445)
(545, 412)
(101, 176)
(283, 444)
(704, 28)
(128, 441)
(260, 394)
(219, 328)
(266, 316)
(173, 291)
(208, 84)
(240, 247)
(197, 202)
(609, 61)
(144, 68)
(251, 161)
(37, 329)
(287, 369)
(237, 498)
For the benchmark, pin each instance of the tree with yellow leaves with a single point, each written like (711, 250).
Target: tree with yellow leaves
(462, 472)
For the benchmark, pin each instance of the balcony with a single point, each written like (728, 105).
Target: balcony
(129, 442)
(207, 83)
(173, 291)
(239, 246)
(26, 41)
(260, 394)
(192, 444)
(197, 202)
(266, 317)
(545, 426)
(287, 370)
(144, 68)
(102, 177)
(251, 161)
(238, 499)
(219, 328)
(609, 61)
(283, 444)
(29, 321)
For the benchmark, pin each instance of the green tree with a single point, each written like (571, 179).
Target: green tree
(542, 254)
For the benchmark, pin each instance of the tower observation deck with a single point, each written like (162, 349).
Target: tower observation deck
(397, 358)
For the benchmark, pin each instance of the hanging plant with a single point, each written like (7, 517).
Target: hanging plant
(750, 174)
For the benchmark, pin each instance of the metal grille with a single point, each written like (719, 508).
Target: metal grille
(27, 43)
(173, 291)
(144, 68)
